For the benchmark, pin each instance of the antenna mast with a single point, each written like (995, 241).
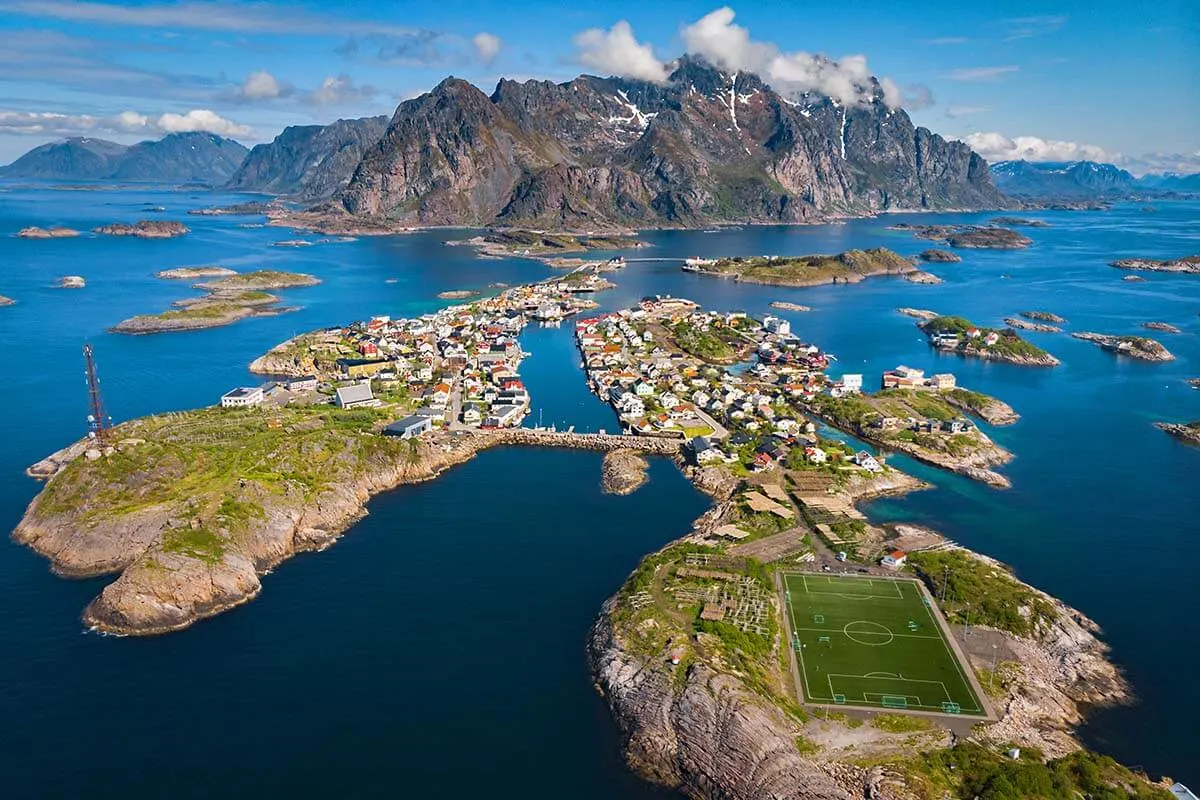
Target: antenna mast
(99, 423)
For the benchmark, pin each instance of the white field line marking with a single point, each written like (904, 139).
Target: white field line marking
(953, 658)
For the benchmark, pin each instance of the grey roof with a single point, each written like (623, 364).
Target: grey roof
(242, 391)
(356, 393)
(1182, 792)
(408, 422)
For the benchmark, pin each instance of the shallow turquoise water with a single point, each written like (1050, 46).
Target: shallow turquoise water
(439, 646)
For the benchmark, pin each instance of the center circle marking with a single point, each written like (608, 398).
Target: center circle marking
(870, 633)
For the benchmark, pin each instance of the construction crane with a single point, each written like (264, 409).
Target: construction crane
(99, 423)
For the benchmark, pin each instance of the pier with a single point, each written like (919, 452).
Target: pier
(603, 442)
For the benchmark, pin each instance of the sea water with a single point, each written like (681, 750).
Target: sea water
(438, 648)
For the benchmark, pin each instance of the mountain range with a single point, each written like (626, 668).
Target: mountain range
(176, 158)
(706, 146)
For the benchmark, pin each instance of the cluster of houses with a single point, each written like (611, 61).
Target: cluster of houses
(658, 390)
(975, 337)
(456, 366)
(903, 377)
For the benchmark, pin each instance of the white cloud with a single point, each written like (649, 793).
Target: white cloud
(126, 122)
(339, 90)
(487, 46)
(191, 14)
(981, 73)
(1026, 27)
(998, 147)
(260, 85)
(730, 46)
(1182, 163)
(617, 52)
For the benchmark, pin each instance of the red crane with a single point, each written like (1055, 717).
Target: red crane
(99, 423)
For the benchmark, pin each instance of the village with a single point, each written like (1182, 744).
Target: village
(455, 369)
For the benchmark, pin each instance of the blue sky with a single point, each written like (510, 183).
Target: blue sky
(1102, 79)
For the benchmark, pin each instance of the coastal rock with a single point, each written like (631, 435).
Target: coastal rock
(191, 273)
(1133, 279)
(1194, 383)
(259, 280)
(1164, 327)
(1189, 433)
(918, 313)
(145, 229)
(623, 472)
(6, 301)
(457, 294)
(1026, 325)
(1138, 347)
(250, 209)
(783, 305)
(47, 233)
(71, 282)
(851, 266)
(703, 733)
(940, 256)
(1018, 222)
(1043, 316)
(927, 278)
(1187, 264)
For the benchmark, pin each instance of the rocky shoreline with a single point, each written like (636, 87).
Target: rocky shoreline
(968, 236)
(783, 305)
(696, 723)
(1189, 433)
(47, 233)
(6, 301)
(1026, 325)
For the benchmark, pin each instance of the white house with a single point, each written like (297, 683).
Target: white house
(867, 461)
(894, 559)
(302, 384)
(409, 427)
(242, 396)
(777, 325)
(356, 395)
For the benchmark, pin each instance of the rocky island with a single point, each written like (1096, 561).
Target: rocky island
(940, 256)
(47, 233)
(518, 242)
(1043, 316)
(959, 335)
(253, 208)
(927, 278)
(1026, 325)
(1187, 432)
(1138, 347)
(1019, 222)
(6, 301)
(1163, 327)
(192, 273)
(260, 279)
(783, 305)
(1187, 264)
(145, 229)
(71, 282)
(969, 236)
(457, 294)
(851, 266)
(918, 313)
(231, 297)
(623, 472)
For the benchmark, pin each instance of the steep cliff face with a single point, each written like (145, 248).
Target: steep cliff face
(309, 162)
(706, 146)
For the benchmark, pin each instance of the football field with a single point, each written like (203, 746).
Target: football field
(876, 643)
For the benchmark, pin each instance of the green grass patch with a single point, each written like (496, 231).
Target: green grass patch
(900, 723)
(984, 593)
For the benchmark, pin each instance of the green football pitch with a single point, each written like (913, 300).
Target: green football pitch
(874, 642)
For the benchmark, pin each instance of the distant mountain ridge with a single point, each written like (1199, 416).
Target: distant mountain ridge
(708, 146)
(308, 162)
(1083, 180)
(192, 157)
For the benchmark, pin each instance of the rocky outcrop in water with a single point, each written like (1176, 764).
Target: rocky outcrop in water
(1189, 433)
(940, 256)
(1187, 264)
(623, 472)
(707, 146)
(47, 233)
(145, 229)
(1138, 347)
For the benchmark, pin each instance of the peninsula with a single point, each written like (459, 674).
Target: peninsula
(851, 266)
(961, 336)
(1138, 347)
(145, 229)
(1188, 432)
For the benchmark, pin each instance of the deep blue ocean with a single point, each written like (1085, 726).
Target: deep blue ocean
(438, 649)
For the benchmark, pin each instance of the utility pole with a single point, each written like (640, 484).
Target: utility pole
(99, 423)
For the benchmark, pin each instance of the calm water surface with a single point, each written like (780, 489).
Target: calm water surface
(438, 648)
